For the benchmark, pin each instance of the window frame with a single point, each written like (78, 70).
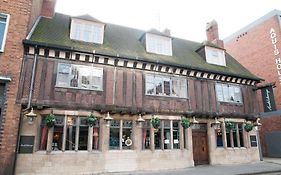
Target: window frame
(157, 44)
(82, 27)
(230, 142)
(79, 78)
(7, 16)
(216, 60)
(152, 79)
(222, 97)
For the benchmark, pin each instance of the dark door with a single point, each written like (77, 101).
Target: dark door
(200, 146)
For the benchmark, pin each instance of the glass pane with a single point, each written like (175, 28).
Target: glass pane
(175, 88)
(228, 139)
(237, 95)
(83, 134)
(150, 88)
(2, 32)
(219, 92)
(176, 135)
(114, 134)
(57, 138)
(167, 90)
(70, 133)
(44, 135)
(157, 138)
(235, 142)
(159, 86)
(240, 126)
(127, 135)
(225, 93)
(219, 137)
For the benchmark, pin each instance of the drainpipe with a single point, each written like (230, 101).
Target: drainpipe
(32, 79)
(28, 106)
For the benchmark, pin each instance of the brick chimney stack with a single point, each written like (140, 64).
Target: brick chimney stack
(48, 8)
(212, 33)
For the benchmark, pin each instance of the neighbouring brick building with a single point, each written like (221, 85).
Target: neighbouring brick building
(111, 98)
(261, 45)
(16, 19)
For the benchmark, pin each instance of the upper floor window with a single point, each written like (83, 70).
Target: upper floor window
(158, 44)
(4, 22)
(165, 86)
(215, 56)
(87, 31)
(78, 76)
(228, 93)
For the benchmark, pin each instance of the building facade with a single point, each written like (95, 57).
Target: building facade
(16, 20)
(260, 42)
(128, 81)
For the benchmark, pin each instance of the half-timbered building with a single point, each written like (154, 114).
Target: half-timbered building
(76, 67)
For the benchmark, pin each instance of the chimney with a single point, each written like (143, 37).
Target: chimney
(48, 8)
(167, 32)
(213, 33)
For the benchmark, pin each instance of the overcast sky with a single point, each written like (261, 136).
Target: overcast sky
(186, 19)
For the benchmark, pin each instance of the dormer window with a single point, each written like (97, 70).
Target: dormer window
(87, 31)
(215, 56)
(158, 44)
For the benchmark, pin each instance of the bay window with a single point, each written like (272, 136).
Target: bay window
(165, 86)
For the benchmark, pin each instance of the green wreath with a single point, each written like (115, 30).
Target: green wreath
(248, 126)
(50, 120)
(230, 125)
(155, 121)
(185, 123)
(92, 119)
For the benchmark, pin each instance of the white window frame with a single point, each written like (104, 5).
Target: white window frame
(79, 28)
(158, 44)
(215, 56)
(229, 93)
(75, 71)
(161, 78)
(7, 16)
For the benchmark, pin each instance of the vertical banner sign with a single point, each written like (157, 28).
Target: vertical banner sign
(268, 99)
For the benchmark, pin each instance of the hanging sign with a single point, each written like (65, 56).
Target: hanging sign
(268, 99)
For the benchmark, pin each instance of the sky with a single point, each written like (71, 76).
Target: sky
(185, 18)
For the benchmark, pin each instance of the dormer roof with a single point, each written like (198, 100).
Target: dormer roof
(125, 42)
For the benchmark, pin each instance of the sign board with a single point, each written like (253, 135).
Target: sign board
(26, 144)
(268, 99)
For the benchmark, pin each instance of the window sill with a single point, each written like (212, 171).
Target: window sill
(230, 103)
(64, 89)
(67, 152)
(165, 96)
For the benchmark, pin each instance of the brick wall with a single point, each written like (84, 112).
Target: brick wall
(254, 49)
(10, 65)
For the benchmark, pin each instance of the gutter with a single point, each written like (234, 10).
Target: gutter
(54, 46)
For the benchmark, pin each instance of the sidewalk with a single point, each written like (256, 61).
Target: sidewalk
(272, 165)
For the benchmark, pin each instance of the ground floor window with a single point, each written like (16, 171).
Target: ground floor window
(120, 135)
(70, 133)
(234, 137)
(167, 136)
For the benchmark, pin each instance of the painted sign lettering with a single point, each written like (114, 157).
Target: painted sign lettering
(276, 52)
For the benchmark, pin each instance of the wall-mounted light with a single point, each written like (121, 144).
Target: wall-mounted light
(257, 123)
(108, 118)
(216, 123)
(140, 119)
(194, 121)
(31, 115)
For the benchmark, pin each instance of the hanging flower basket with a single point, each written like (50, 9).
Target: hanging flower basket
(185, 123)
(229, 125)
(50, 120)
(92, 119)
(248, 126)
(155, 121)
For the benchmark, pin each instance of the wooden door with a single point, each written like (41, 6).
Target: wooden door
(200, 147)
